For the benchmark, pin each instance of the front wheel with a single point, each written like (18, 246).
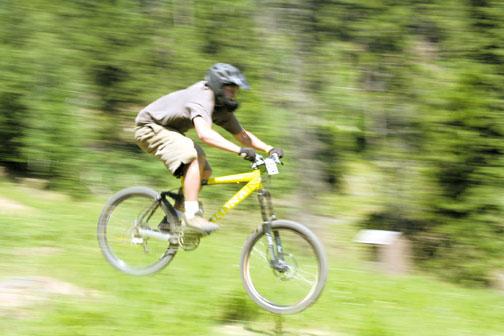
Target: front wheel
(293, 280)
(120, 225)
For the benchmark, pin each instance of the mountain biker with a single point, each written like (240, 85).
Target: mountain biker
(160, 129)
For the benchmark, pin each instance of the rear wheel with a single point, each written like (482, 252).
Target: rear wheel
(293, 283)
(125, 214)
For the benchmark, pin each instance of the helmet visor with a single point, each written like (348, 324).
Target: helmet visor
(240, 81)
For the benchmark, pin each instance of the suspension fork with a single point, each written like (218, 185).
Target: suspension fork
(273, 237)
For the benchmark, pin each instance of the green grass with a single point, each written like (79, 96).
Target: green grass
(201, 290)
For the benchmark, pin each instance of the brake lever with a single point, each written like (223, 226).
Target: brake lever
(259, 160)
(276, 158)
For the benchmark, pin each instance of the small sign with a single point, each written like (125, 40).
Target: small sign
(271, 166)
(378, 237)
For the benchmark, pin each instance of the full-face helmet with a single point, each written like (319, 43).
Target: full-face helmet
(221, 74)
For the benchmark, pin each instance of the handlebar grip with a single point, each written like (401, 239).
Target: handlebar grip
(276, 158)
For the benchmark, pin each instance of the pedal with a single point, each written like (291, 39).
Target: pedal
(190, 230)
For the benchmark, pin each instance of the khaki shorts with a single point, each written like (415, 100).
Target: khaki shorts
(169, 146)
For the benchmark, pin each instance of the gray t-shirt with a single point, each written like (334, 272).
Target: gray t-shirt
(177, 110)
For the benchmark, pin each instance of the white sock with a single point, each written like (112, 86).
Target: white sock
(191, 208)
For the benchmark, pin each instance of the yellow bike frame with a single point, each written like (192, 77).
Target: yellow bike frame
(252, 182)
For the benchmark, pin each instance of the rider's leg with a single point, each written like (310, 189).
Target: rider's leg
(205, 173)
(206, 170)
(192, 185)
(174, 149)
(192, 181)
(195, 172)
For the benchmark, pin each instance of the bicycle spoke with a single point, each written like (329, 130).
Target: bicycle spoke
(300, 276)
(261, 253)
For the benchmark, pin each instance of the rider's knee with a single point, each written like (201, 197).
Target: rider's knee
(206, 174)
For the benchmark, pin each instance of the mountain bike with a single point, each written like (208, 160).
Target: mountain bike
(283, 264)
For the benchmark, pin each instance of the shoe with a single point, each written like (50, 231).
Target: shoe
(201, 224)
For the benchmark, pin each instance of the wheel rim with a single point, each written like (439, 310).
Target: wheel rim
(127, 249)
(290, 289)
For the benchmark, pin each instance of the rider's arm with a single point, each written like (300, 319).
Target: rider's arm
(211, 137)
(250, 140)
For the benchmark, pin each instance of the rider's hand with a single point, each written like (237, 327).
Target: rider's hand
(277, 151)
(247, 153)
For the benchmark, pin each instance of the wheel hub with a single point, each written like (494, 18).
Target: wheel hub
(286, 269)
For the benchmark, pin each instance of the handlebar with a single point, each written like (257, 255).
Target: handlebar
(261, 161)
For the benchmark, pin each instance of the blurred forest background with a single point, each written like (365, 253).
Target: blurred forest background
(411, 90)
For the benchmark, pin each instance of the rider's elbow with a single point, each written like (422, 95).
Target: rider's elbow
(204, 137)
